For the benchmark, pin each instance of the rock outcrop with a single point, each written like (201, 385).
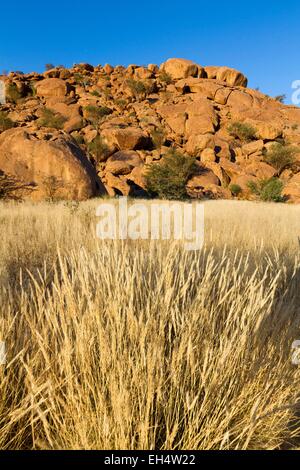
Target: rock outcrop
(95, 129)
(52, 166)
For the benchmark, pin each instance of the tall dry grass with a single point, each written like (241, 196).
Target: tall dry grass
(142, 345)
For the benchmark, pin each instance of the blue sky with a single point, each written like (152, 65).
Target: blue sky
(260, 38)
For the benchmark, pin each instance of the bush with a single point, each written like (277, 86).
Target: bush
(122, 103)
(98, 149)
(242, 131)
(235, 189)
(167, 179)
(12, 93)
(281, 155)
(95, 93)
(280, 98)
(51, 119)
(95, 114)
(268, 189)
(49, 67)
(5, 122)
(138, 88)
(52, 186)
(165, 77)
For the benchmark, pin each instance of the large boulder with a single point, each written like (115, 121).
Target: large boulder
(181, 68)
(51, 88)
(202, 118)
(231, 76)
(123, 162)
(56, 167)
(129, 138)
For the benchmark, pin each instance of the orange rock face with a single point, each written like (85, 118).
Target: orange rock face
(40, 162)
(105, 124)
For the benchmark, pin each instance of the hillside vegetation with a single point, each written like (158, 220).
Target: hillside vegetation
(96, 130)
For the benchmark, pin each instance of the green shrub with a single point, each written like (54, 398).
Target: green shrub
(280, 98)
(165, 77)
(242, 131)
(268, 189)
(281, 155)
(98, 149)
(49, 67)
(5, 122)
(95, 114)
(95, 93)
(235, 189)
(121, 103)
(167, 179)
(51, 119)
(12, 93)
(138, 88)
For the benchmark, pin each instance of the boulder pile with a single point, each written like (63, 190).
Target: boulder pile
(86, 131)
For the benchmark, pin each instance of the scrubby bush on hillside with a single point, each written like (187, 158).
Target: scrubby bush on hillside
(268, 189)
(51, 119)
(242, 131)
(281, 155)
(11, 188)
(138, 88)
(12, 93)
(280, 98)
(49, 66)
(165, 77)
(98, 149)
(167, 179)
(235, 189)
(52, 185)
(95, 114)
(5, 122)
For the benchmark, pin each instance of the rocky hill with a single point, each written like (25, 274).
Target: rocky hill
(80, 132)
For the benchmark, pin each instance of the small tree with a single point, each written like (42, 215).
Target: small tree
(281, 156)
(12, 188)
(242, 131)
(49, 67)
(5, 122)
(280, 98)
(268, 189)
(168, 179)
(52, 186)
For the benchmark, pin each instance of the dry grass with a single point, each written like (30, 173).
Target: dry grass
(142, 345)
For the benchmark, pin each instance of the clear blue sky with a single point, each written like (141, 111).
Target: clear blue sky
(260, 38)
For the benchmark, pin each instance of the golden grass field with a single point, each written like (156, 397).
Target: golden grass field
(143, 345)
